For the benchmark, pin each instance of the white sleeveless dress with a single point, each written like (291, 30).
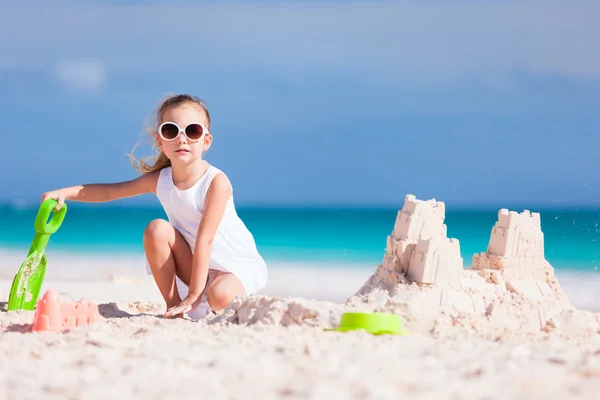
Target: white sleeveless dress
(233, 248)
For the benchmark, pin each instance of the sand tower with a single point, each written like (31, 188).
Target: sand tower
(419, 247)
(516, 247)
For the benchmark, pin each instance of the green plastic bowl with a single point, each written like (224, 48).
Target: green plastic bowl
(375, 323)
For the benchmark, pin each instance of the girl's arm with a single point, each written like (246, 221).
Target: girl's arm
(104, 192)
(216, 200)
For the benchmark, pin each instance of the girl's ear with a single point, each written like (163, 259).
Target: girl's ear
(158, 142)
(207, 142)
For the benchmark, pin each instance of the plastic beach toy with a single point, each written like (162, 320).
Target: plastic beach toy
(53, 314)
(375, 323)
(27, 283)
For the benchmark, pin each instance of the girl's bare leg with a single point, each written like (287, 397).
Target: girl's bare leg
(224, 288)
(169, 255)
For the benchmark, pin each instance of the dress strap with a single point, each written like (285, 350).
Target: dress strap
(210, 174)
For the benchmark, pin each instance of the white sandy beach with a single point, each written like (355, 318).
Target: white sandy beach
(487, 337)
(132, 352)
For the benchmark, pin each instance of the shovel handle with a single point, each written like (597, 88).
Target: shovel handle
(41, 223)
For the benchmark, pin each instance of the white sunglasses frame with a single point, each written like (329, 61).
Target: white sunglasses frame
(204, 131)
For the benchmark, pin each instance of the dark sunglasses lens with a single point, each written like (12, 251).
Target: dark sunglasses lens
(194, 131)
(169, 131)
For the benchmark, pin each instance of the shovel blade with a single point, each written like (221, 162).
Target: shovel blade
(27, 283)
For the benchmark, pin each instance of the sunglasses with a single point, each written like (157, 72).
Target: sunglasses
(169, 131)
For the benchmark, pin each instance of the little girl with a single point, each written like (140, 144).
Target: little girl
(204, 255)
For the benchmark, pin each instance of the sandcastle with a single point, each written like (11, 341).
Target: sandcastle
(420, 249)
(510, 286)
(53, 314)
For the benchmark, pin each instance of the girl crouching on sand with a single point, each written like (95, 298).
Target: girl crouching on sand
(204, 256)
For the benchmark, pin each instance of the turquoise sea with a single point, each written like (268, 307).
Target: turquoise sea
(321, 236)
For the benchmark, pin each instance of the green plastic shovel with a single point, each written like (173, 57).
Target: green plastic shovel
(27, 283)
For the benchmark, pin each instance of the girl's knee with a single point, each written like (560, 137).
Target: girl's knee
(219, 296)
(158, 230)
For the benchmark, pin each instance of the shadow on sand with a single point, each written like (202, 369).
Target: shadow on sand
(106, 310)
(112, 310)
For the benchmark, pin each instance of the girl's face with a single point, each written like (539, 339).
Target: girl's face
(179, 147)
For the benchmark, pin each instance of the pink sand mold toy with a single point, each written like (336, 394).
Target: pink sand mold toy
(53, 314)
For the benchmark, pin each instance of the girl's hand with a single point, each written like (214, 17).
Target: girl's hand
(58, 195)
(190, 303)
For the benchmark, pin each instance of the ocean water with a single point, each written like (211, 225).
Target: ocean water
(352, 237)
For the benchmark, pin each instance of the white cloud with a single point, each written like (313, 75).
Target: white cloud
(82, 75)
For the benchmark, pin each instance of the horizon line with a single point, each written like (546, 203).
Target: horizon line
(370, 206)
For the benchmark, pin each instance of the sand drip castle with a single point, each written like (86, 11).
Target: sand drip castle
(508, 288)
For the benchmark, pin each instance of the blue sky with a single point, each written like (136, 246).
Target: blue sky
(330, 103)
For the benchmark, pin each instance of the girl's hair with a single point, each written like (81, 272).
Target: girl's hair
(160, 160)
